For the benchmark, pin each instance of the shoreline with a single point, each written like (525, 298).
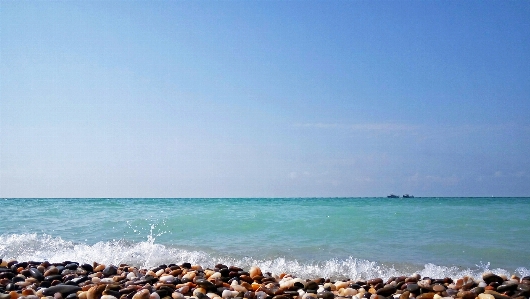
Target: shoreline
(73, 280)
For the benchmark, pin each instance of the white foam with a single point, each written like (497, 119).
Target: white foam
(147, 254)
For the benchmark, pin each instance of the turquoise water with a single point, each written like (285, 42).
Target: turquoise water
(329, 237)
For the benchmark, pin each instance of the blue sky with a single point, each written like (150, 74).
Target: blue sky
(264, 98)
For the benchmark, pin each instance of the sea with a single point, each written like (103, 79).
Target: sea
(337, 238)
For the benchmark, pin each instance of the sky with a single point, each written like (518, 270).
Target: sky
(264, 98)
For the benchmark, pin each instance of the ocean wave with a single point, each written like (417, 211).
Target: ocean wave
(147, 254)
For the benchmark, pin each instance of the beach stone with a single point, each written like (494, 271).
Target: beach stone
(497, 295)
(490, 277)
(438, 288)
(35, 273)
(99, 268)
(485, 296)
(142, 294)
(478, 290)
(429, 295)
(404, 295)
(451, 292)
(413, 288)
(325, 295)
(525, 288)
(71, 266)
(466, 295)
(255, 271)
(95, 292)
(386, 290)
(375, 281)
(51, 271)
(110, 270)
(87, 268)
(311, 285)
(63, 289)
(507, 286)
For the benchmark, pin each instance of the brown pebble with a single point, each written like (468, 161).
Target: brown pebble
(438, 288)
(429, 295)
(404, 295)
(496, 294)
(95, 292)
(466, 295)
(99, 268)
(142, 294)
(375, 281)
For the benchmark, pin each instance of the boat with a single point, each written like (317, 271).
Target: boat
(408, 196)
(393, 196)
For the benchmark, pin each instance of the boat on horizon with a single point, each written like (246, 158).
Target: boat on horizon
(408, 196)
(393, 196)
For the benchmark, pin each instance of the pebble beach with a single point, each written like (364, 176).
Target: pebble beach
(72, 280)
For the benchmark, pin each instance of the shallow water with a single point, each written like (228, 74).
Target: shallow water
(329, 237)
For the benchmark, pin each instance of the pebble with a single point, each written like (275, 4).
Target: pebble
(71, 280)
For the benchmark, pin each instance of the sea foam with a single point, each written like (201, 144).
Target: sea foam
(147, 254)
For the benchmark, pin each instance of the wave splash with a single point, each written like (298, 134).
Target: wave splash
(148, 254)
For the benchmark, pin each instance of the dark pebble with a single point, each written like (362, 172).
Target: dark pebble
(17, 279)
(74, 296)
(507, 287)
(490, 277)
(35, 273)
(110, 270)
(413, 288)
(53, 277)
(375, 281)
(87, 268)
(325, 295)
(525, 288)
(11, 287)
(311, 285)
(62, 288)
(478, 290)
(386, 290)
(71, 266)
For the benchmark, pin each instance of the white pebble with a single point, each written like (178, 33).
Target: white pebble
(154, 295)
(96, 279)
(108, 297)
(226, 294)
(341, 285)
(238, 288)
(347, 292)
(167, 278)
(261, 295)
(177, 295)
(106, 280)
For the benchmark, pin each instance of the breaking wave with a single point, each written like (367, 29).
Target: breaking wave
(147, 254)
